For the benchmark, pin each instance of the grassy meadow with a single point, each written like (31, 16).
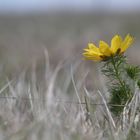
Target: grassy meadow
(47, 90)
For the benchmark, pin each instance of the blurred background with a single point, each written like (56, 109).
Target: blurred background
(41, 64)
(63, 27)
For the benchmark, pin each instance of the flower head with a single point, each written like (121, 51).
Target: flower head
(104, 51)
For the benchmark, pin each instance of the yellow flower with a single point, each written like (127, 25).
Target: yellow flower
(104, 51)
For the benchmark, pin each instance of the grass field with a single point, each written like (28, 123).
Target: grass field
(47, 90)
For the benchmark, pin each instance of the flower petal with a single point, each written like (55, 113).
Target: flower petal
(126, 43)
(91, 46)
(92, 56)
(116, 43)
(92, 53)
(104, 48)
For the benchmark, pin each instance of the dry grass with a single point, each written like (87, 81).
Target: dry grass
(60, 108)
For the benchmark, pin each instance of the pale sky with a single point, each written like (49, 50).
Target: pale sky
(29, 5)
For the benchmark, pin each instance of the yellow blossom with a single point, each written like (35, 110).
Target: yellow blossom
(118, 46)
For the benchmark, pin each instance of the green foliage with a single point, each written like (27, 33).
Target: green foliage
(119, 96)
(121, 76)
(113, 67)
(133, 72)
(138, 83)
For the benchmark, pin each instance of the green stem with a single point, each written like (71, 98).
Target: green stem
(117, 72)
(119, 89)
